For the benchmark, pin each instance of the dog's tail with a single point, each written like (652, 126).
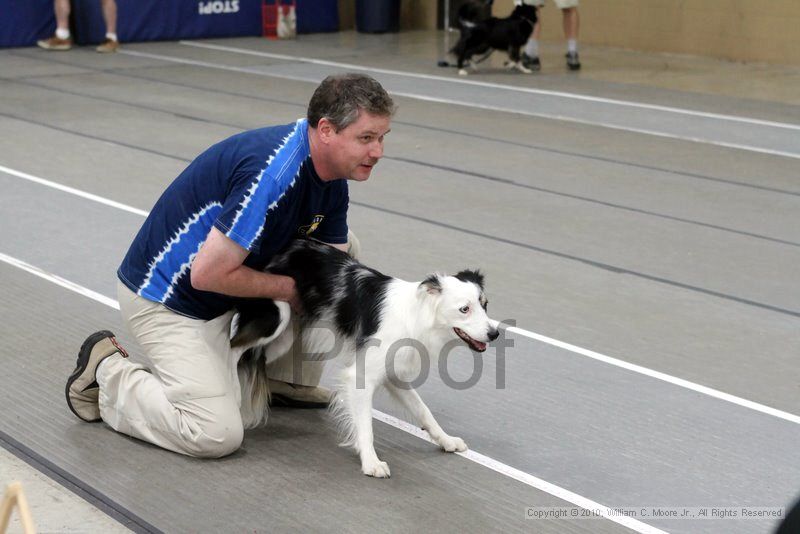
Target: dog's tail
(255, 388)
(259, 324)
(471, 13)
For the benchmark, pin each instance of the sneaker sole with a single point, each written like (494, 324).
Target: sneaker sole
(80, 366)
(57, 47)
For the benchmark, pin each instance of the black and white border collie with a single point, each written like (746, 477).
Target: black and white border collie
(480, 35)
(375, 318)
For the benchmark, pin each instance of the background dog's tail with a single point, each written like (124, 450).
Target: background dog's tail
(255, 388)
(472, 12)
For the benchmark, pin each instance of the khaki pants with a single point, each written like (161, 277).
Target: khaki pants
(188, 400)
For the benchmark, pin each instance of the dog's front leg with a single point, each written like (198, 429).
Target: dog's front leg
(371, 465)
(411, 400)
(516, 61)
(356, 401)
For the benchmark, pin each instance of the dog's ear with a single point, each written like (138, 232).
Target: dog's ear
(431, 285)
(476, 277)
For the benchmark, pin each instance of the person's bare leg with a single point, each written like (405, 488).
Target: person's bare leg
(62, 40)
(111, 44)
(530, 57)
(110, 15)
(571, 23)
(62, 9)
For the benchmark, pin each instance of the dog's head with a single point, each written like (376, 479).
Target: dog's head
(460, 308)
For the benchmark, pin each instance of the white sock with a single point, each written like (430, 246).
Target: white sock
(572, 46)
(532, 48)
(62, 33)
(112, 36)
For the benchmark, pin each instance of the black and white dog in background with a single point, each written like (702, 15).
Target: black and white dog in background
(480, 35)
(370, 313)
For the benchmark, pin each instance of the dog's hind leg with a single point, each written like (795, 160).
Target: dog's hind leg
(352, 409)
(412, 402)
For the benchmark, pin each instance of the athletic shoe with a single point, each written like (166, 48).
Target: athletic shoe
(82, 389)
(298, 396)
(54, 43)
(531, 63)
(109, 45)
(572, 61)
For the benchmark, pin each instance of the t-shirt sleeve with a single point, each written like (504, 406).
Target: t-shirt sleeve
(245, 209)
(333, 228)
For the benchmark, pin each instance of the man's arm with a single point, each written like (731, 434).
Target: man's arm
(219, 267)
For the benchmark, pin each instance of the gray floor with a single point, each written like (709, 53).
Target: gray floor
(636, 231)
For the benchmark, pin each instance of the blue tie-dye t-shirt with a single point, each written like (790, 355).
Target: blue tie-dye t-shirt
(259, 188)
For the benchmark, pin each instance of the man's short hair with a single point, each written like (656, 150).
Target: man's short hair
(339, 99)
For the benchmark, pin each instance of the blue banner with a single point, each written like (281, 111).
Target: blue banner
(23, 22)
(167, 20)
(317, 16)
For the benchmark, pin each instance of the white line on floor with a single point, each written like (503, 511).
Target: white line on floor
(574, 96)
(476, 457)
(526, 333)
(552, 116)
(72, 286)
(659, 375)
(522, 476)
(73, 191)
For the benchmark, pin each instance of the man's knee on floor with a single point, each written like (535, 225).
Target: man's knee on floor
(216, 440)
(218, 431)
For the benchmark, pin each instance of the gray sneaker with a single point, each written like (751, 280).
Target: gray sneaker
(82, 389)
(572, 61)
(531, 63)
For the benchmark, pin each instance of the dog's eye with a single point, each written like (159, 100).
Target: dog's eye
(464, 309)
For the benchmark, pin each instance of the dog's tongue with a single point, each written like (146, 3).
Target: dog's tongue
(474, 344)
(479, 346)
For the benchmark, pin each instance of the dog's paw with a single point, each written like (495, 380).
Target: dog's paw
(462, 72)
(522, 68)
(376, 469)
(452, 444)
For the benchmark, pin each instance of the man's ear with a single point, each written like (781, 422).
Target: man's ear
(325, 130)
(432, 285)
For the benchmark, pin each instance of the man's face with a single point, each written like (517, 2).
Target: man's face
(357, 148)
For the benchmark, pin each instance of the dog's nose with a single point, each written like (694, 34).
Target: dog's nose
(494, 334)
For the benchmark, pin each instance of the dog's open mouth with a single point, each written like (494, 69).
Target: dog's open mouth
(474, 344)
